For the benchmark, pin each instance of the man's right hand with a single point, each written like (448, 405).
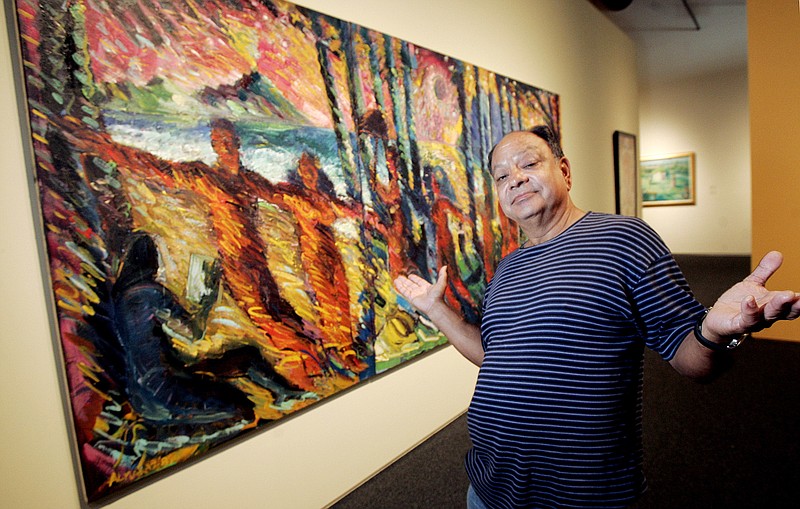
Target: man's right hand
(429, 299)
(420, 293)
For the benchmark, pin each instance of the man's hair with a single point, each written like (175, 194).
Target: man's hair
(545, 133)
(551, 138)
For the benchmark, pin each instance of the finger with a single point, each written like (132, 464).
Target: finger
(408, 284)
(766, 268)
(402, 280)
(781, 306)
(415, 279)
(402, 285)
(795, 311)
(751, 313)
(441, 280)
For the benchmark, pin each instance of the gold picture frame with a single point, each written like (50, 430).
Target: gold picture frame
(667, 179)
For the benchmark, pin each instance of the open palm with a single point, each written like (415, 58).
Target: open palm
(419, 292)
(749, 307)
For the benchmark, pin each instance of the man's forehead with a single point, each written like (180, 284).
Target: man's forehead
(517, 144)
(522, 136)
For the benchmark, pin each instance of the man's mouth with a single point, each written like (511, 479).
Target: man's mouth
(522, 196)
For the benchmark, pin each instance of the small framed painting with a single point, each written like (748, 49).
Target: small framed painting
(667, 179)
(626, 174)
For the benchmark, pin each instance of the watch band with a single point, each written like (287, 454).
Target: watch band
(717, 347)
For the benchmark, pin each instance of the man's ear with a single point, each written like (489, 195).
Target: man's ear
(566, 171)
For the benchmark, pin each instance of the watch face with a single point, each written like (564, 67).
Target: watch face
(738, 341)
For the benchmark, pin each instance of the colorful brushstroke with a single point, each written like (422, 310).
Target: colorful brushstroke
(228, 189)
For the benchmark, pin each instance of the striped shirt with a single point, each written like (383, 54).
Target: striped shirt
(555, 419)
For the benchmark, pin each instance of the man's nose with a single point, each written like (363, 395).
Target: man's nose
(518, 177)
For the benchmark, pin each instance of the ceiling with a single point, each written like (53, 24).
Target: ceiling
(677, 39)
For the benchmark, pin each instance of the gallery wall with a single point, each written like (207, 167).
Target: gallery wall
(774, 80)
(707, 115)
(314, 458)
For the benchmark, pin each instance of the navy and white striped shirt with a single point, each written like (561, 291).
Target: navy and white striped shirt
(555, 420)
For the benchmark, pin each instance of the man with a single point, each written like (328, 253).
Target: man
(555, 419)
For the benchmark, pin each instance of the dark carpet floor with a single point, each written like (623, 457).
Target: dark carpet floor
(731, 444)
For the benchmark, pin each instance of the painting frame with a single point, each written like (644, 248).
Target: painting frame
(626, 174)
(668, 179)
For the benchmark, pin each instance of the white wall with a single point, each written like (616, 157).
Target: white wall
(314, 458)
(707, 115)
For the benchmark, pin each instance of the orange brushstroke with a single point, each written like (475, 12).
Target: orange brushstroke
(315, 214)
(232, 213)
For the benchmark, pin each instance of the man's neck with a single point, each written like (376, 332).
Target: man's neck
(542, 231)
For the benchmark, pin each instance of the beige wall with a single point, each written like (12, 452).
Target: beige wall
(313, 458)
(774, 69)
(707, 115)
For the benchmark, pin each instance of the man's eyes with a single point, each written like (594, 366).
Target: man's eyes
(525, 166)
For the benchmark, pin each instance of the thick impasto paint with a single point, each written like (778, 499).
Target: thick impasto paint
(227, 190)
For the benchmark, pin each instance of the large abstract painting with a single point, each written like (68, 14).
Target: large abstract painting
(227, 189)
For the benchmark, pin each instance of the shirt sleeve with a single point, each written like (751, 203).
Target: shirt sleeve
(665, 307)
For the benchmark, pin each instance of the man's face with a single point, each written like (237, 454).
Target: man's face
(529, 179)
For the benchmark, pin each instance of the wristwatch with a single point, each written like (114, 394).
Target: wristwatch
(717, 347)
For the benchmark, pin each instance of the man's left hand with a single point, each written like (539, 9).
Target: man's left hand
(749, 307)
